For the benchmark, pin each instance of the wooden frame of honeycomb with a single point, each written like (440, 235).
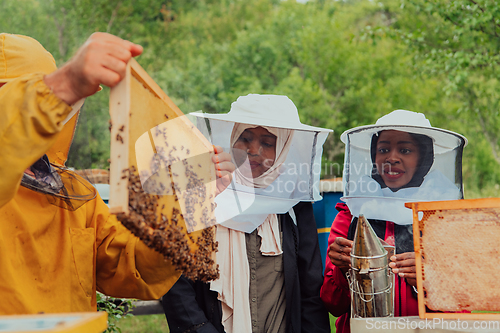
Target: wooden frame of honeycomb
(162, 178)
(457, 249)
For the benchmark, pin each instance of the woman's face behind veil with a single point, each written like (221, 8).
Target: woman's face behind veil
(259, 145)
(396, 158)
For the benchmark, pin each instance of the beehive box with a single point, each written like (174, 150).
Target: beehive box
(162, 179)
(457, 254)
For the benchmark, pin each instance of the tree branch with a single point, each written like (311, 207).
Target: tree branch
(449, 19)
(492, 19)
(113, 16)
(477, 5)
(61, 27)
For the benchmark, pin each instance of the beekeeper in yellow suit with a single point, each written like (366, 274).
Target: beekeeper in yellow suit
(56, 252)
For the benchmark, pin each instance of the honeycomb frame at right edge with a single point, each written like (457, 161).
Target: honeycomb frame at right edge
(454, 211)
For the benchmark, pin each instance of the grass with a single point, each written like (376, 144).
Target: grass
(332, 323)
(143, 324)
(158, 324)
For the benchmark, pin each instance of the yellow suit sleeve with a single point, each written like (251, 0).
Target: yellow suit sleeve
(125, 266)
(30, 118)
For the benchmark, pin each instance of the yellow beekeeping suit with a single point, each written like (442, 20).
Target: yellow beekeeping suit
(53, 259)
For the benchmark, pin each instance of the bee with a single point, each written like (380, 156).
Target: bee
(169, 238)
(119, 138)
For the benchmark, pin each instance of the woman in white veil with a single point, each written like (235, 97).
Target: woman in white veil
(254, 171)
(269, 281)
(258, 153)
(399, 159)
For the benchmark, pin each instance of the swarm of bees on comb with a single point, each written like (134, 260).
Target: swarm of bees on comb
(166, 235)
(165, 193)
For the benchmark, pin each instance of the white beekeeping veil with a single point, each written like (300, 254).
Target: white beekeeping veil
(294, 175)
(437, 176)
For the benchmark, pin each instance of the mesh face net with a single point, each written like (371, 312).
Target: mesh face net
(291, 177)
(386, 167)
(62, 187)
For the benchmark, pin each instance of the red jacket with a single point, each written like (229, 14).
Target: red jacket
(335, 290)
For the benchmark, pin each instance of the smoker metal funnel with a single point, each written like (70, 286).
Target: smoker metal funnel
(366, 242)
(370, 278)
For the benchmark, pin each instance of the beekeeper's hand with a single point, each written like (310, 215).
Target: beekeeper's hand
(339, 253)
(223, 169)
(403, 264)
(102, 59)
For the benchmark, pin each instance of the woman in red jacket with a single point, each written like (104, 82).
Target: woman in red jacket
(399, 159)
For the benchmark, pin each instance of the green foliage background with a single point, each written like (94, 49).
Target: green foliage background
(343, 63)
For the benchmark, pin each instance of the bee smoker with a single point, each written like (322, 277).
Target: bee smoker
(370, 278)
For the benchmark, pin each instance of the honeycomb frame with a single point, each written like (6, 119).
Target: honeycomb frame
(457, 248)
